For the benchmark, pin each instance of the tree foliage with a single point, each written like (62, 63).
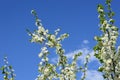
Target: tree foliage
(105, 51)
(62, 70)
(7, 70)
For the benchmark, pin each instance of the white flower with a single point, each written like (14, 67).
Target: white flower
(113, 27)
(107, 26)
(56, 31)
(88, 56)
(43, 60)
(36, 37)
(106, 35)
(37, 23)
(46, 59)
(105, 22)
(40, 55)
(40, 68)
(72, 67)
(41, 39)
(41, 63)
(113, 37)
(100, 10)
(108, 61)
(46, 70)
(40, 29)
(52, 37)
(50, 44)
(44, 48)
(107, 68)
(32, 11)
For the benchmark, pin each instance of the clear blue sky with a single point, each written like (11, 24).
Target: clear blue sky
(79, 18)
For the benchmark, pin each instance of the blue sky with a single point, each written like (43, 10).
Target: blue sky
(79, 18)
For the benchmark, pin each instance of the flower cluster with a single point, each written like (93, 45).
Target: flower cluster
(62, 70)
(105, 49)
(7, 71)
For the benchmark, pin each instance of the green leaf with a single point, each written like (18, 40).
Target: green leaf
(97, 55)
(112, 21)
(100, 5)
(2, 68)
(100, 69)
(112, 13)
(80, 53)
(101, 60)
(96, 48)
(10, 67)
(3, 71)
